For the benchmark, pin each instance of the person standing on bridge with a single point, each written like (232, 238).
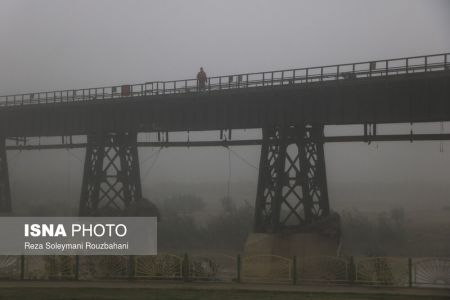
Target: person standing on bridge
(201, 79)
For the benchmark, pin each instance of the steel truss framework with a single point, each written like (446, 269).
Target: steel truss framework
(111, 179)
(292, 187)
(5, 192)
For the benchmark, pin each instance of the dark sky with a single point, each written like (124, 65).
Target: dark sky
(58, 44)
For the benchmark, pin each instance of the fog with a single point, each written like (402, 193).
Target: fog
(51, 45)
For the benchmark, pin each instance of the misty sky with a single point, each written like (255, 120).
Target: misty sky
(51, 45)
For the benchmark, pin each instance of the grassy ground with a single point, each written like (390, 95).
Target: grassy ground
(177, 294)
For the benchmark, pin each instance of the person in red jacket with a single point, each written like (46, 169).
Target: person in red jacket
(201, 79)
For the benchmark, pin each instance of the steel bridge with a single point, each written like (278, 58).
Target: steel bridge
(291, 107)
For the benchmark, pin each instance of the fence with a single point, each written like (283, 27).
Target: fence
(360, 70)
(379, 271)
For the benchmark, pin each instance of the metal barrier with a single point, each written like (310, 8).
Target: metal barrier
(368, 69)
(382, 271)
(431, 272)
(322, 269)
(10, 267)
(103, 267)
(212, 267)
(266, 268)
(162, 266)
(49, 267)
(379, 271)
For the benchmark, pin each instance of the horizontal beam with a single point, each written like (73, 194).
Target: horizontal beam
(46, 147)
(388, 138)
(255, 142)
(328, 139)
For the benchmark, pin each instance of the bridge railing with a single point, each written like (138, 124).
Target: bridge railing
(368, 69)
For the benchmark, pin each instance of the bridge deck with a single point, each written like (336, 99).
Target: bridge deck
(413, 89)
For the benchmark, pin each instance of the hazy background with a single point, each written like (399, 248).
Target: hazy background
(50, 45)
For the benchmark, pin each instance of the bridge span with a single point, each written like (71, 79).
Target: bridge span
(290, 106)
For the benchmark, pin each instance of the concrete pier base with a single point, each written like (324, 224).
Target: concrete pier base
(269, 256)
(319, 239)
(294, 244)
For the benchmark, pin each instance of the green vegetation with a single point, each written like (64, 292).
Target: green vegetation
(381, 236)
(180, 228)
(176, 294)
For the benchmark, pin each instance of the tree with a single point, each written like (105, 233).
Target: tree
(183, 205)
(398, 215)
(228, 205)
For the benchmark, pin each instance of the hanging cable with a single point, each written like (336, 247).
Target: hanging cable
(229, 173)
(243, 159)
(72, 154)
(153, 164)
(68, 176)
(14, 164)
(153, 153)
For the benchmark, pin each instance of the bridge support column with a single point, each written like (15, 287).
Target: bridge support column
(111, 179)
(5, 191)
(292, 187)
